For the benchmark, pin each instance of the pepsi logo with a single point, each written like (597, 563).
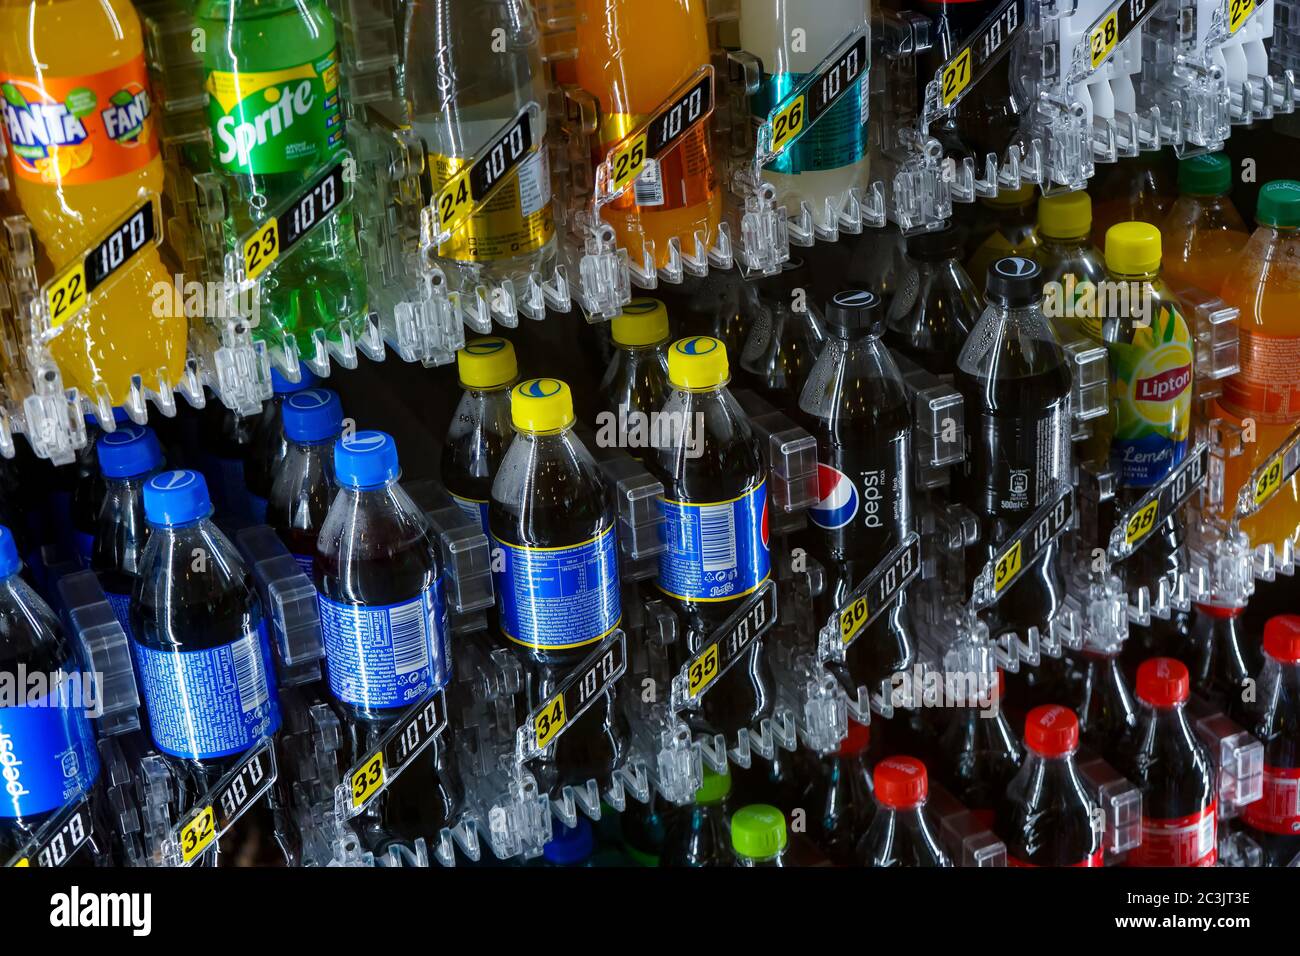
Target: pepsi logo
(173, 480)
(485, 346)
(837, 499)
(855, 299)
(365, 441)
(309, 399)
(540, 388)
(701, 345)
(1016, 267)
(764, 534)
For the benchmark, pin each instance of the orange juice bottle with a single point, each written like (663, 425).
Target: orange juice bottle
(82, 145)
(1265, 286)
(1203, 233)
(632, 54)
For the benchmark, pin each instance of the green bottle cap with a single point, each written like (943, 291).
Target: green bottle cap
(1207, 175)
(758, 831)
(1279, 204)
(714, 787)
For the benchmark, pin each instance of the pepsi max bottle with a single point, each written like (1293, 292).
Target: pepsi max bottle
(555, 571)
(304, 485)
(1274, 819)
(127, 457)
(1015, 386)
(856, 406)
(267, 445)
(936, 304)
(480, 430)
(715, 526)
(785, 334)
(901, 834)
(47, 749)
(635, 384)
(384, 626)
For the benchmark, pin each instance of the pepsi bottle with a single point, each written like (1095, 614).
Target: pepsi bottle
(840, 797)
(715, 526)
(384, 626)
(710, 305)
(699, 835)
(785, 336)
(304, 485)
(936, 305)
(1015, 385)
(226, 440)
(480, 431)
(555, 570)
(88, 489)
(47, 749)
(635, 384)
(901, 834)
(267, 446)
(127, 457)
(856, 406)
(1274, 819)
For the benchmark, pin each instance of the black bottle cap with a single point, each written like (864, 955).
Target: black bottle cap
(935, 246)
(1014, 281)
(855, 311)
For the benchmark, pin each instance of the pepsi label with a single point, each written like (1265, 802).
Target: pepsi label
(476, 509)
(863, 504)
(47, 754)
(715, 551)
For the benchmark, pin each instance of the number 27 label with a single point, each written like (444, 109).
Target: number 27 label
(956, 77)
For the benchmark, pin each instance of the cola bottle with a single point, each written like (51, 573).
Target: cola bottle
(304, 486)
(936, 304)
(267, 446)
(1104, 703)
(635, 384)
(127, 457)
(786, 334)
(901, 834)
(1221, 659)
(480, 429)
(698, 835)
(1274, 819)
(840, 797)
(980, 755)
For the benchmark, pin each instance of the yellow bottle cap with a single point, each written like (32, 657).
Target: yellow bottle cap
(698, 362)
(487, 363)
(1066, 216)
(1133, 248)
(1011, 197)
(643, 322)
(541, 405)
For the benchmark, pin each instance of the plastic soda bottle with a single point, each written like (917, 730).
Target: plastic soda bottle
(936, 304)
(715, 523)
(1007, 225)
(1103, 701)
(980, 754)
(47, 749)
(1264, 285)
(82, 144)
(632, 55)
(1137, 189)
(570, 846)
(1275, 817)
(758, 836)
(1220, 658)
(267, 445)
(305, 485)
(1073, 268)
(697, 835)
(901, 833)
(841, 797)
(1203, 233)
(462, 90)
(555, 571)
(1047, 815)
(480, 431)
(127, 457)
(831, 158)
(635, 385)
(275, 109)
(786, 334)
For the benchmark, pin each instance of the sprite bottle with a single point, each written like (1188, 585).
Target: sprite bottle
(275, 109)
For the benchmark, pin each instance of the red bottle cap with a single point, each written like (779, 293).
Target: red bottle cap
(1163, 682)
(901, 782)
(1219, 613)
(857, 740)
(1282, 638)
(1052, 730)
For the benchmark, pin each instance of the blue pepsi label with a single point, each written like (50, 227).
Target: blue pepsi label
(210, 703)
(85, 547)
(121, 605)
(557, 598)
(47, 753)
(837, 139)
(386, 655)
(474, 509)
(715, 551)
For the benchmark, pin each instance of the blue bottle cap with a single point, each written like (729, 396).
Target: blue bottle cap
(130, 451)
(366, 460)
(570, 845)
(282, 386)
(10, 563)
(314, 414)
(176, 497)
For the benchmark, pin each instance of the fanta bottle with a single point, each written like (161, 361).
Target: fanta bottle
(632, 55)
(1203, 233)
(1265, 286)
(83, 147)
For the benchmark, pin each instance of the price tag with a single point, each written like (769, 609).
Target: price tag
(726, 645)
(269, 242)
(401, 744)
(880, 589)
(474, 185)
(1239, 11)
(1160, 502)
(993, 37)
(1269, 478)
(576, 693)
(686, 109)
(59, 839)
(225, 803)
(1114, 27)
(834, 77)
(68, 293)
(1020, 550)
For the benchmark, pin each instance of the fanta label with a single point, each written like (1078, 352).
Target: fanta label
(75, 130)
(276, 121)
(1152, 382)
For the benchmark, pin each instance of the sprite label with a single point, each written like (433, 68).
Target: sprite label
(1152, 381)
(276, 121)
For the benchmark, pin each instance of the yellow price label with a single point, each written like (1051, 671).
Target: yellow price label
(1239, 12)
(22, 862)
(198, 835)
(628, 162)
(369, 780)
(1008, 567)
(703, 670)
(956, 77)
(66, 296)
(261, 249)
(852, 619)
(1140, 525)
(789, 123)
(550, 721)
(1269, 482)
(1102, 40)
(455, 201)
